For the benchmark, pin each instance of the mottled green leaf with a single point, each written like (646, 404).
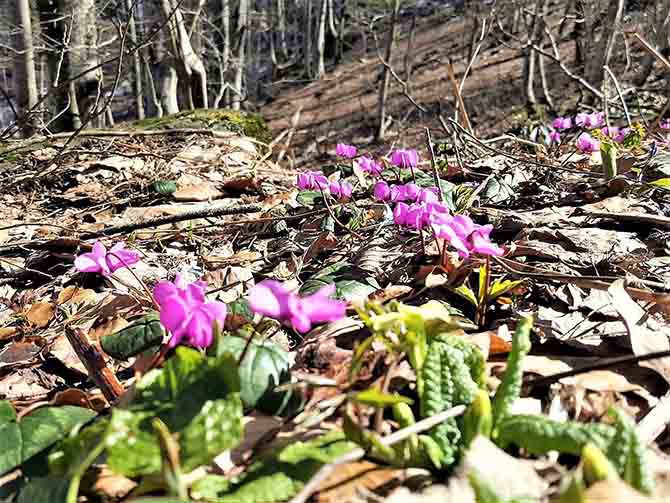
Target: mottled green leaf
(164, 187)
(216, 429)
(35, 432)
(143, 334)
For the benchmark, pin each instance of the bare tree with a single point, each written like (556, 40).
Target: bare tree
(190, 68)
(137, 63)
(386, 73)
(25, 79)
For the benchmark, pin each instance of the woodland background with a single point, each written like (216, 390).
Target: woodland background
(325, 70)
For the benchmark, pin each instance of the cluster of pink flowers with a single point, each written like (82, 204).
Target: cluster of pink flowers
(587, 143)
(186, 313)
(459, 230)
(590, 121)
(315, 180)
(617, 134)
(562, 123)
(405, 158)
(106, 262)
(665, 123)
(312, 180)
(370, 166)
(346, 151)
(464, 235)
(382, 191)
(271, 298)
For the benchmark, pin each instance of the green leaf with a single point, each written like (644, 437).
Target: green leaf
(663, 183)
(467, 294)
(377, 398)
(350, 289)
(35, 432)
(280, 476)
(164, 187)
(265, 366)
(178, 391)
(132, 447)
(216, 429)
(10, 438)
(143, 334)
(71, 452)
(312, 285)
(241, 310)
(501, 287)
(308, 197)
(51, 489)
(185, 394)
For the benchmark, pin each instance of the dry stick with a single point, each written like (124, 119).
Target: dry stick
(215, 211)
(433, 165)
(325, 471)
(618, 90)
(601, 365)
(514, 158)
(103, 377)
(459, 97)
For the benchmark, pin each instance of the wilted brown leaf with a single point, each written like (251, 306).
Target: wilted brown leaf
(40, 314)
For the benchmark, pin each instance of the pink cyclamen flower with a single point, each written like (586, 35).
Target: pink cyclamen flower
(405, 158)
(590, 121)
(617, 134)
(381, 191)
(341, 190)
(555, 137)
(562, 123)
(369, 165)
(312, 180)
(586, 143)
(428, 195)
(186, 313)
(106, 262)
(412, 191)
(464, 235)
(347, 151)
(271, 298)
(664, 124)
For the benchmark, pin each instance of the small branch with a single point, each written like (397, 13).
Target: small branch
(103, 377)
(215, 211)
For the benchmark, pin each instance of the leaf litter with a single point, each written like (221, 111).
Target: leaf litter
(584, 256)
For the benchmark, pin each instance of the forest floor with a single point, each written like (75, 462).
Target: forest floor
(585, 256)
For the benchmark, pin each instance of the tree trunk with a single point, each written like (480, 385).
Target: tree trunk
(137, 63)
(531, 56)
(191, 70)
(308, 39)
(386, 74)
(25, 77)
(225, 53)
(321, 41)
(241, 53)
(73, 22)
(603, 50)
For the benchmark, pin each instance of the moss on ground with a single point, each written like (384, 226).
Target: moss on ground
(248, 124)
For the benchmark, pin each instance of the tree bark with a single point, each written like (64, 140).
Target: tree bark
(25, 77)
(603, 50)
(191, 70)
(321, 41)
(137, 63)
(386, 74)
(241, 53)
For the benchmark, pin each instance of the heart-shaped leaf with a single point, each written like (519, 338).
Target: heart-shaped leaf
(145, 333)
